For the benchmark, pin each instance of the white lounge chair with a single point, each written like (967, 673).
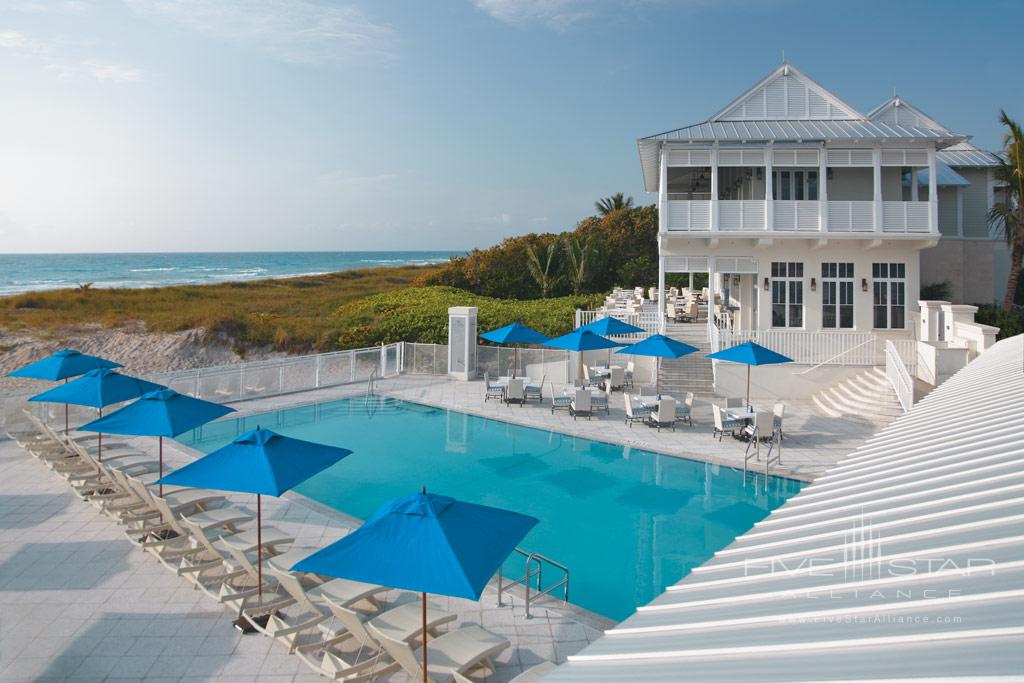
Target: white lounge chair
(581, 404)
(516, 391)
(664, 415)
(532, 675)
(627, 376)
(559, 401)
(460, 651)
(723, 423)
(536, 390)
(685, 410)
(492, 390)
(635, 411)
(616, 378)
(778, 412)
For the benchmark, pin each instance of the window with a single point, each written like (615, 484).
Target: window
(837, 295)
(787, 294)
(798, 185)
(889, 295)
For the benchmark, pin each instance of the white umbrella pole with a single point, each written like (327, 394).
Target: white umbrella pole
(161, 465)
(423, 597)
(259, 546)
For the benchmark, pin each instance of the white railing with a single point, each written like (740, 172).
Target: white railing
(806, 348)
(650, 321)
(906, 349)
(847, 216)
(257, 379)
(899, 376)
(551, 365)
(795, 215)
(903, 217)
(743, 214)
(689, 215)
(425, 359)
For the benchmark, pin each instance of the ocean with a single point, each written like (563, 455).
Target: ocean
(35, 272)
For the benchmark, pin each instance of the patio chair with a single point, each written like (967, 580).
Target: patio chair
(536, 391)
(516, 392)
(559, 401)
(665, 415)
(635, 412)
(778, 412)
(581, 404)
(602, 400)
(685, 410)
(691, 315)
(723, 423)
(170, 541)
(532, 675)
(587, 379)
(493, 390)
(617, 379)
(460, 651)
(760, 429)
(627, 375)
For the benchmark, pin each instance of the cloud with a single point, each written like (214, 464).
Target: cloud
(100, 71)
(294, 31)
(557, 14)
(47, 6)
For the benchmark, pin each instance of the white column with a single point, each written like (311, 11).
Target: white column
(960, 211)
(933, 192)
(769, 207)
(661, 290)
(714, 186)
(462, 342)
(823, 190)
(876, 163)
(663, 190)
(913, 185)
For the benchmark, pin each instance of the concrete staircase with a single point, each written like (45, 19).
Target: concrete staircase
(868, 396)
(691, 372)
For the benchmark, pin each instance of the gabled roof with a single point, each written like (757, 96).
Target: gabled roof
(897, 111)
(965, 154)
(905, 561)
(784, 94)
(944, 177)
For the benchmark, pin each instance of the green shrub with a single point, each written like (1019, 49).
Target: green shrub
(937, 291)
(1009, 324)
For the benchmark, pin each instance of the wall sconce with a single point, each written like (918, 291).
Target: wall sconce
(814, 285)
(766, 284)
(863, 284)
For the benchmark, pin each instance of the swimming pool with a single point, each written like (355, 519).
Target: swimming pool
(626, 522)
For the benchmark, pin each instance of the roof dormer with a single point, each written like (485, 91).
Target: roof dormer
(787, 93)
(898, 112)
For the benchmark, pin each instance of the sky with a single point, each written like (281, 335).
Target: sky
(229, 125)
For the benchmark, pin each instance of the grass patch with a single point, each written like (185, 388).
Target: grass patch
(292, 314)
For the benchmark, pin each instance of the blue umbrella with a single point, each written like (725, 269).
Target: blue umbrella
(514, 334)
(659, 346)
(261, 462)
(609, 326)
(96, 389)
(62, 365)
(581, 340)
(750, 354)
(428, 544)
(159, 413)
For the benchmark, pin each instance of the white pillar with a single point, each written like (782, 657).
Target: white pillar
(933, 192)
(661, 291)
(691, 280)
(823, 190)
(462, 342)
(913, 185)
(663, 190)
(769, 207)
(714, 186)
(876, 163)
(960, 211)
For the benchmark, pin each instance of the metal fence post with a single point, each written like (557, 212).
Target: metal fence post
(316, 380)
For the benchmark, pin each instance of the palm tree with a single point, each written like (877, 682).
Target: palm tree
(1007, 216)
(578, 252)
(614, 203)
(540, 258)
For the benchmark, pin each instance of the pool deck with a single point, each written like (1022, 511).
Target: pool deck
(78, 601)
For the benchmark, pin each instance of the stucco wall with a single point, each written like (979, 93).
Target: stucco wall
(975, 202)
(975, 268)
(769, 382)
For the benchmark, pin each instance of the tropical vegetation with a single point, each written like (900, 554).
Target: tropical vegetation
(1007, 215)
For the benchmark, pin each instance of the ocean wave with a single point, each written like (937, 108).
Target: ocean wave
(151, 270)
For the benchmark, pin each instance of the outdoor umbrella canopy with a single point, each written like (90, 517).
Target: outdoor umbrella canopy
(159, 413)
(749, 354)
(581, 340)
(63, 365)
(96, 389)
(659, 346)
(515, 333)
(609, 326)
(261, 462)
(425, 543)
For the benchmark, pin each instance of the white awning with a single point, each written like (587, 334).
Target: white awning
(905, 561)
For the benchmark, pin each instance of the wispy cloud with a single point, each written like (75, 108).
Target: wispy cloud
(55, 56)
(557, 14)
(100, 71)
(295, 31)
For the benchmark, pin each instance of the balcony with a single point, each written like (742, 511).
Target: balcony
(798, 216)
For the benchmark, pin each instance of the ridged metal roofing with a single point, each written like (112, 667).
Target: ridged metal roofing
(792, 129)
(966, 154)
(905, 561)
(944, 176)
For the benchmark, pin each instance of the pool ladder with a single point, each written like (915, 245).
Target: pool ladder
(774, 444)
(535, 563)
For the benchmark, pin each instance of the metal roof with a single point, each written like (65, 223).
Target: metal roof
(792, 129)
(904, 561)
(944, 176)
(966, 154)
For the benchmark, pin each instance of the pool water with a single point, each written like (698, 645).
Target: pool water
(626, 522)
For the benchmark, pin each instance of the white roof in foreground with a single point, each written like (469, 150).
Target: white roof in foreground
(905, 561)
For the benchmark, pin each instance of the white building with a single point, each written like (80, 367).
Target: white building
(806, 212)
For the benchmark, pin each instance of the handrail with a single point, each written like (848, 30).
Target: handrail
(369, 383)
(899, 376)
(534, 568)
(869, 340)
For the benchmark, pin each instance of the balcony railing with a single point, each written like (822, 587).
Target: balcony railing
(694, 215)
(851, 216)
(905, 217)
(800, 216)
(741, 215)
